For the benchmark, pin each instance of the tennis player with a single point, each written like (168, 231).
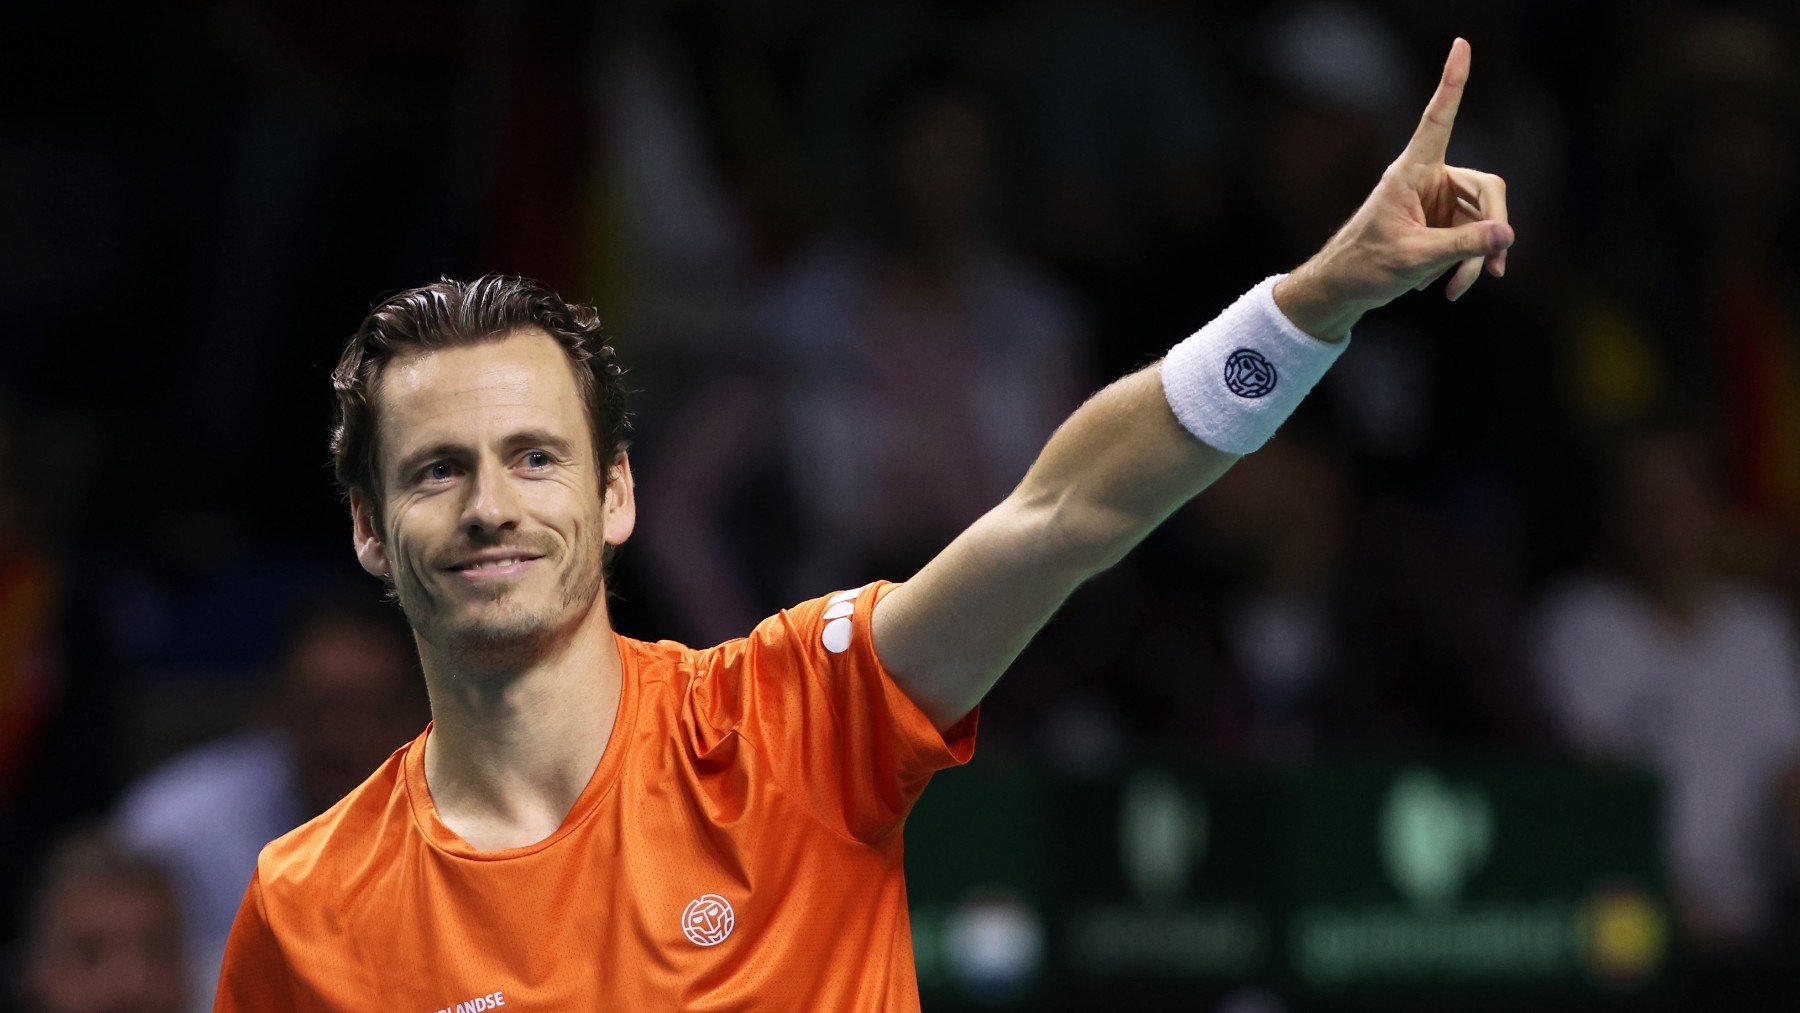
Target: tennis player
(595, 822)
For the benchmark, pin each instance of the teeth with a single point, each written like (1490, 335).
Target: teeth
(495, 562)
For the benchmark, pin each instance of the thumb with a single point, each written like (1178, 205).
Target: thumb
(1476, 239)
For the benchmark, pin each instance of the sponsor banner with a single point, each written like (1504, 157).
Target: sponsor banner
(1172, 881)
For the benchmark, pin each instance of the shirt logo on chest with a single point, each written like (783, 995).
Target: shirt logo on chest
(708, 919)
(479, 1004)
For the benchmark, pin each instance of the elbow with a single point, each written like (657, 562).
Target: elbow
(1078, 539)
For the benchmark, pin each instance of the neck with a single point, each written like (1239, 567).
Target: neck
(512, 746)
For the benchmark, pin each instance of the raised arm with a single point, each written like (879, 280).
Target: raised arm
(1125, 460)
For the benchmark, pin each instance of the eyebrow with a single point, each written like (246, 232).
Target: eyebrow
(525, 438)
(415, 460)
(543, 438)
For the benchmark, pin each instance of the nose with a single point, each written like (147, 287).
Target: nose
(493, 501)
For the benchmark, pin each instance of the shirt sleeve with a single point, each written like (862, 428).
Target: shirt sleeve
(807, 691)
(255, 977)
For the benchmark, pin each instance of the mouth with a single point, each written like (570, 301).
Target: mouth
(498, 566)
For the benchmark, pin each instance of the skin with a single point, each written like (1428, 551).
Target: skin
(1122, 463)
(486, 448)
(1665, 523)
(1423, 217)
(349, 696)
(108, 947)
(522, 668)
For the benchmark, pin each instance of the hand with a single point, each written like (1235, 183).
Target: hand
(1422, 218)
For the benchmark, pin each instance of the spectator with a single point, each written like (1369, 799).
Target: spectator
(104, 934)
(59, 675)
(907, 341)
(1653, 655)
(348, 693)
(1283, 615)
(1707, 121)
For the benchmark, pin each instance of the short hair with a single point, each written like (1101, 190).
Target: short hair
(449, 314)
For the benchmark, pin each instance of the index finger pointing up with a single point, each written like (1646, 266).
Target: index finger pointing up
(1432, 139)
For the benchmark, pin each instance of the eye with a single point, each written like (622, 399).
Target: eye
(536, 459)
(438, 471)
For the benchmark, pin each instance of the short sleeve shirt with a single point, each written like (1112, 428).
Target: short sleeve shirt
(738, 847)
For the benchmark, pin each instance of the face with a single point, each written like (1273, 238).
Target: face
(350, 696)
(939, 165)
(109, 948)
(494, 522)
(1667, 512)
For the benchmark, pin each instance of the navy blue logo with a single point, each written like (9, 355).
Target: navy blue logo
(1248, 374)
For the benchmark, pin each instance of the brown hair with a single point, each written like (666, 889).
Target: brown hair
(446, 314)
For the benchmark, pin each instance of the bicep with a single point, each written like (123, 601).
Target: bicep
(947, 634)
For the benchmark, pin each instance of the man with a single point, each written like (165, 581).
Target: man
(595, 822)
(1653, 654)
(104, 933)
(346, 694)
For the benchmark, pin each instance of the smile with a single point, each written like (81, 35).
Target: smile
(497, 567)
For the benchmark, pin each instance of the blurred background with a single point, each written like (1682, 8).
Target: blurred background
(1477, 688)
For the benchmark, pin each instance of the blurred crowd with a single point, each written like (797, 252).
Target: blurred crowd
(860, 259)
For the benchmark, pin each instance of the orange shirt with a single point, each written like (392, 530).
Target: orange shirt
(738, 847)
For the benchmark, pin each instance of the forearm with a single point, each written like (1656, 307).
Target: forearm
(1110, 474)
(1307, 298)
(1150, 442)
(1124, 461)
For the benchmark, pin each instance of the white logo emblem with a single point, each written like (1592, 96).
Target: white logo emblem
(841, 607)
(708, 919)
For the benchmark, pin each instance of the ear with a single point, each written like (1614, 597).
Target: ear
(618, 506)
(366, 536)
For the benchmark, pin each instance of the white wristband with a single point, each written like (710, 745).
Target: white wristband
(1236, 380)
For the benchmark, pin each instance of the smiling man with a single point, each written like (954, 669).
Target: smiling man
(595, 822)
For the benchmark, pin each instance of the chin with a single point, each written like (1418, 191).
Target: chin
(503, 635)
(507, 624)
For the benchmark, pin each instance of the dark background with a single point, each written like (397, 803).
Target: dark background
(202, 200)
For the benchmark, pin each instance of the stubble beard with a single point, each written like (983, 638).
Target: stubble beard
(501, 633)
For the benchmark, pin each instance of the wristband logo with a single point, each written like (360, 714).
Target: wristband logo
(1248, 374)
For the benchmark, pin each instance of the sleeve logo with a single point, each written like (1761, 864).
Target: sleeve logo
(1249, 374)
(839, 608)
(708, 920)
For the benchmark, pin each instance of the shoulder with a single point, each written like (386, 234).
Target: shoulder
(661, 664)
(805, 305)
(1583, 597)
(806, 639)
(1757, 604)
(251, 772)
(817, 271)
(1022, 297)
(1761, 616)
(824, 622)
(335, 852)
